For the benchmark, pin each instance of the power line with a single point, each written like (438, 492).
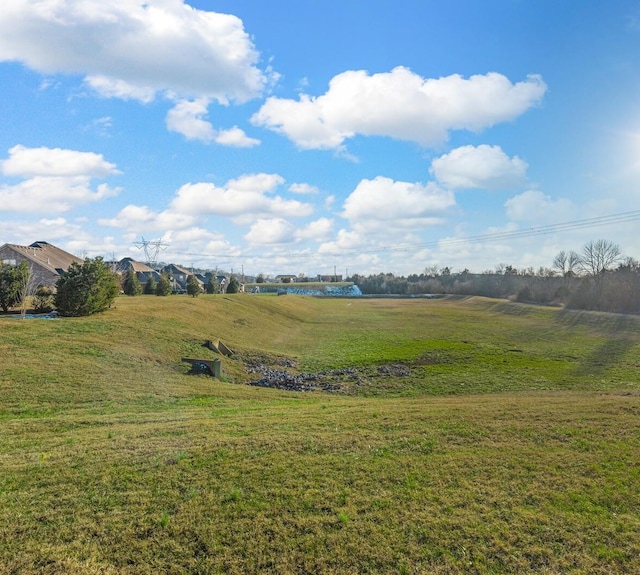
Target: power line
(480, 238)
(624, 217)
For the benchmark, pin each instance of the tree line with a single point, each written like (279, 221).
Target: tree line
(85, 289)
(598, 277)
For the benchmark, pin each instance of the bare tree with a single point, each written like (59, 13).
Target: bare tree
(566, 263)
(596, 258)
(27, 286)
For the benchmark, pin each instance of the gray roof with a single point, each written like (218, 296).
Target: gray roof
(46, 255)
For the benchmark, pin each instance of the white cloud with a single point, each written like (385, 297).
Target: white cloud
(346, 240)
(115, 88)
(55, 230)
(141, 218)
(534, 206)
(235, 137)
(184, 245)
(485, 167)
(318, 230)
(303, 189)
(397, 204)
(242, 198)
(56, 181)
(399, 104)
(270, 231)
(55, 162)
(133, 49)
(187, 118)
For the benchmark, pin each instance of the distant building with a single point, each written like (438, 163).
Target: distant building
(286, 278)
(330, 278)
(179, 276)
(46, 261)
(143, 272)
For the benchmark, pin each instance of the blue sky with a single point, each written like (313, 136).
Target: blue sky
(289, 137)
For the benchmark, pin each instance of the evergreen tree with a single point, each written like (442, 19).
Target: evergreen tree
(86, 289)
(234, 286)
(163, 286)
(212, 285)
(43, 300)
(132, 285)
(150, 286)
(193, 286)
(9, 286)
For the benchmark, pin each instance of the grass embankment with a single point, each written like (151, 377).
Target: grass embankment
(512, 445)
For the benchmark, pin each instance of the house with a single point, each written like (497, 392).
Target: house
(221, 279)
(144, 273)
(286, 278)
(179, 276)
(46, 261)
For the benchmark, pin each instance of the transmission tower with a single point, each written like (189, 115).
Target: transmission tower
(151, 249)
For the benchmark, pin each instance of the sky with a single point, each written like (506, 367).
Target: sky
(291, 137)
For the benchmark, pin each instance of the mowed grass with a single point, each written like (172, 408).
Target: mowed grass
(510, 445)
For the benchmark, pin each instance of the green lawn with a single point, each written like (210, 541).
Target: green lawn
(509, 444)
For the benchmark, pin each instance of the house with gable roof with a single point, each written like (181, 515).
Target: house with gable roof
(46, 261)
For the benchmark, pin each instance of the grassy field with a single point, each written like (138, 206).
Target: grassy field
(481, 436)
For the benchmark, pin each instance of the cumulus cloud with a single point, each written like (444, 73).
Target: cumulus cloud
(56, 180)
(235, 137)
(485, 167)
(242, 198)
(303, 189)
(270, 231)
(56, 230)
(55, 162)
(534, 206)
(132, 49)
(188, 117)
(141, 218)
(318, 230)
(399, 204)
(399, 104)
(345, 240)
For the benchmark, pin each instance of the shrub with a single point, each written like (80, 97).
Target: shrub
(43, 300)
(86, 289)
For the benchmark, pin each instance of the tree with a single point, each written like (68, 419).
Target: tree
(86, 289)
(150, 286)
(26, 285)
(8, 286)
(596, 258)
(566, 263)
(163, 287)
(234, 286)
(132, 285)
(212, 285)
(43, 300)
(193, 286)
(260, 279)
